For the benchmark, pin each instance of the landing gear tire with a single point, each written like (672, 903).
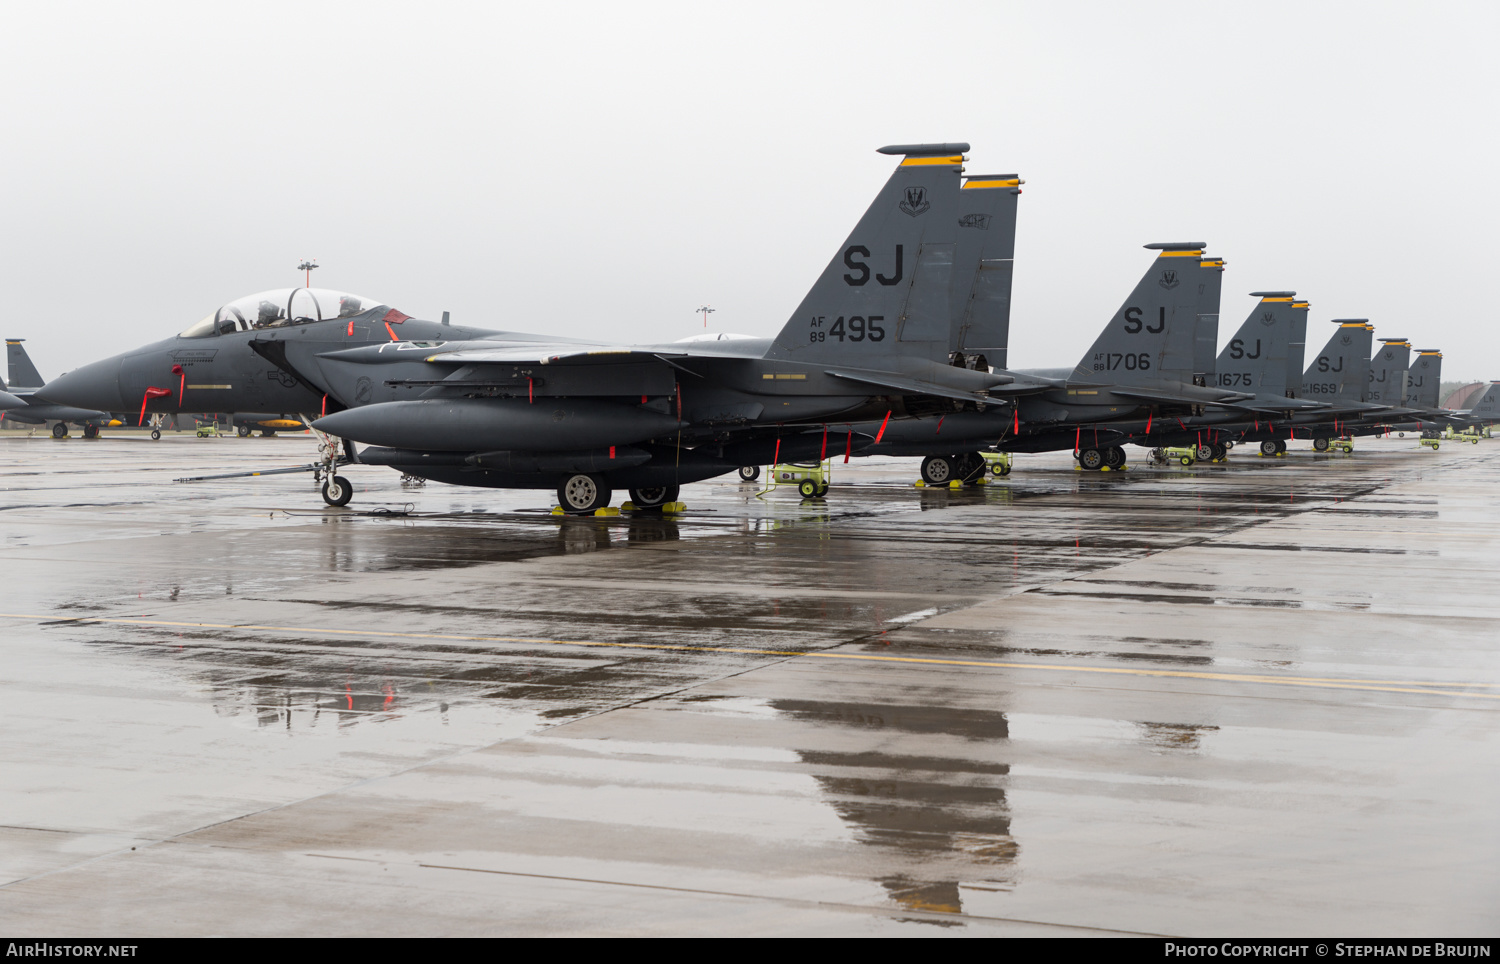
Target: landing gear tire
(337, 491)
(583, 493)
(243, 431)
(60, 430)
(808, 488)
(156, 435)
(1268, 447)
(1221, 451)
(1091, 459)
(268, 433)
(938, 470)
(91, 431)
(1280, 447)
(1320, 445)
(1114, 457)
(656, 497)
(1204, 453)
(749, 473)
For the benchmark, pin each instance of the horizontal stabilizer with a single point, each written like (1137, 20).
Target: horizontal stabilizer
(1279, 405)
(942, 381)
(1186, 395)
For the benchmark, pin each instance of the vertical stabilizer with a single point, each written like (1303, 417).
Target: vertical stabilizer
(1388, 366)
(986, 251)
(1151, 339)
(1255, 360)
(889, 290)
(23, 374)
(1424, 379)
(1487, 408)
(1206, 342)
(1340, 372)
(1296, 349)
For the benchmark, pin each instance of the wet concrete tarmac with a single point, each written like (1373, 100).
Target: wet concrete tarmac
(1251, 698)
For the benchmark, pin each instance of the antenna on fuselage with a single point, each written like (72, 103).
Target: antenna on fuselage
(705, 311)
(308, 267)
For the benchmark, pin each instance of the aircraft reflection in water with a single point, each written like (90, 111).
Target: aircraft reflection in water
(920, 807)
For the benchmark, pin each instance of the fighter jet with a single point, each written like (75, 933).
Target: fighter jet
(870, 340)
(23, 403)
(1486, 409)
(1147, 365)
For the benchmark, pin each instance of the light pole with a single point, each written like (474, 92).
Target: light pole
(308, 267)
(705, 311)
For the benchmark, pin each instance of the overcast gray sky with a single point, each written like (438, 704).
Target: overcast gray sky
(602, 169)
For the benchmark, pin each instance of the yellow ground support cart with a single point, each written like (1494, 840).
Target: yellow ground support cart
(998, 463)
(810, 478)
(1181, 454)
(1431, 443)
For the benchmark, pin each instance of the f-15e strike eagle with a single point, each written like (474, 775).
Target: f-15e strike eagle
(871, 340)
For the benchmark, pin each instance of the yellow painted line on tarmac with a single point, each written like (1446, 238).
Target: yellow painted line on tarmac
(1431, 688)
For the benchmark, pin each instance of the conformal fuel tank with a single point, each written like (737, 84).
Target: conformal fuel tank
(488, 424)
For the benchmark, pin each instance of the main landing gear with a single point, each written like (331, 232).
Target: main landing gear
(966, 467)
(60, 430)
(1111, 457)
(749, 473)
(583, 493)
(656, 497)
(1273, 447)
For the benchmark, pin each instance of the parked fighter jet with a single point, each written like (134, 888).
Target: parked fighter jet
(1147, 364)
(870, 339)
(1485, 410)
(26, 382)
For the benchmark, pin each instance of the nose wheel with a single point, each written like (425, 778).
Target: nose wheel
(337, 491)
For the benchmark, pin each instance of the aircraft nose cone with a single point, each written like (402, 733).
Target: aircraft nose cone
(94, 386)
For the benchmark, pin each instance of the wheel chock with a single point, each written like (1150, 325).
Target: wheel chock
(608, 510)
(558, 510)
(919, 484)
(627, 507)
(674, 507)
(955, 484)
(981, 481)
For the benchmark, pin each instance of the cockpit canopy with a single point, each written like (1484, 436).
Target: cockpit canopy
(279, 308)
